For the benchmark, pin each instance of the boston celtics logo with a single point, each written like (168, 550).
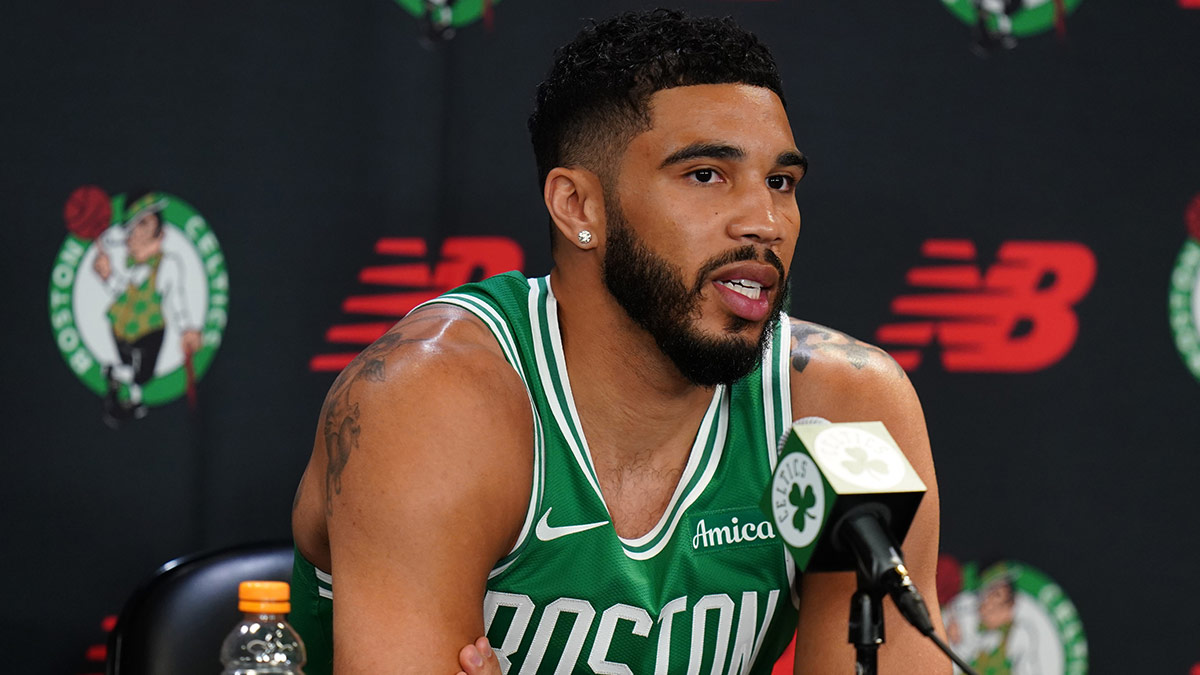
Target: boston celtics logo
(859, 457)
(1010, 618)
(442, 17)
(138, 298)
(797, 499)
(1184, 299)
(998, 23)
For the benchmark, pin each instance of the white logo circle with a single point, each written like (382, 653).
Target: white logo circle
(859, 457)
(798, 499)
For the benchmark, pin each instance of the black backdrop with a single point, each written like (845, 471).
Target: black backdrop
(305, 132)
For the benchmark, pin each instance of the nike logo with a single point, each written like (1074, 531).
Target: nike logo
(547, 532)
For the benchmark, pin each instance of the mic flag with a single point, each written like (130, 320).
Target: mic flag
(826, 471)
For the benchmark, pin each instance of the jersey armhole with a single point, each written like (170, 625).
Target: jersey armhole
(496, 323)
(777, 416)
(777, 389)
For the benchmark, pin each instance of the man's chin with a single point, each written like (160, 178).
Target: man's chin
(708, 359)
(738, 328)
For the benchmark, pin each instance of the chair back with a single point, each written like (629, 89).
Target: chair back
(174, 623)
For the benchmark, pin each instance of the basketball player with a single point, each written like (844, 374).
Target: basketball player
(537, 461)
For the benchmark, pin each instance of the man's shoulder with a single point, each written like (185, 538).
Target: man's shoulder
(432, 386)
(439, 357)
(827, 362)
(837, 354)
(437, 345)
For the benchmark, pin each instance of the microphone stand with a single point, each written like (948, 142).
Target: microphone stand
(880, 572)
(866, 624)
(862, 531)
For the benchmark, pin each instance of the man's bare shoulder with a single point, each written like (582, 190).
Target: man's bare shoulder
(436, 351)
(435, 384)
(829, 365)
(441, 337)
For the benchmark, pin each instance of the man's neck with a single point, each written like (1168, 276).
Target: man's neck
(634, 404)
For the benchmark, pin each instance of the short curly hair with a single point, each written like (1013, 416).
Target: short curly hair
(596, 97)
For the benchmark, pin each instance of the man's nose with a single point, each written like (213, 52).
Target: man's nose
(760, 216)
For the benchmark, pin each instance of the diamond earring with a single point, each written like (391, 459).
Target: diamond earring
(585, 237)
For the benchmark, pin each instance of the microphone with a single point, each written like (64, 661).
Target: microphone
(841, 497)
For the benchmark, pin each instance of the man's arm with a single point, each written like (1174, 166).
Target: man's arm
(427, 442)
(844, 380)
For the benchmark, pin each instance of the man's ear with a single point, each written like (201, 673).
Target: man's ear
(575, 199)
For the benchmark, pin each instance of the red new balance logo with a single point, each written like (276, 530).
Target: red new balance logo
(1018, 317)
(462, 259)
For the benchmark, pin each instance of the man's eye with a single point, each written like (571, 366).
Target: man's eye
(779, 182)
(704, 175)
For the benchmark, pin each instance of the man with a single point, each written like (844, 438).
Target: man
(529, 459)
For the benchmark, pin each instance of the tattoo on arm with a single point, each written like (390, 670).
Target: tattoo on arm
(809, 338)
(341, 437)
(341, 412)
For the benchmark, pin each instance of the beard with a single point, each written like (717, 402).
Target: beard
(653, 293)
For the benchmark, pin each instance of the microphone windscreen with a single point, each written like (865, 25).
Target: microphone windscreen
(811, 419)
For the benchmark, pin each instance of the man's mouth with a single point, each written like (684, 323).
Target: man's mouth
(746, 287)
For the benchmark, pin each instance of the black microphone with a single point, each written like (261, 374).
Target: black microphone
(841, 497)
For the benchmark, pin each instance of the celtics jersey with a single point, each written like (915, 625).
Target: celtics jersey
(709, 589)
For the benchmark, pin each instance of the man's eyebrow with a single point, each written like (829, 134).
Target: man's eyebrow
(793, 159)
(703, 151)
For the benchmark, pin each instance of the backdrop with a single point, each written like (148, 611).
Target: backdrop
(1003, 196)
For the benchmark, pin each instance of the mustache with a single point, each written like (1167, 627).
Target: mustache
(746, 253)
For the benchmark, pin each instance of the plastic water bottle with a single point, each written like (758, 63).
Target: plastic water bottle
(264, 643)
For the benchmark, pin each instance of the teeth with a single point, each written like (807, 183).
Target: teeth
(750, 289)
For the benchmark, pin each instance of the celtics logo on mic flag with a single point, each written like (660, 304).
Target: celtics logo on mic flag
(799, 501)
(826, 469)
(138, 298)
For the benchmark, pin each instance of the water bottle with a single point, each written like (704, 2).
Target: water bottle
(264, 643)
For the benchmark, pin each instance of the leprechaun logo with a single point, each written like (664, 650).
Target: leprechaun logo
(1184, 299)
(440, 18)
(138, 298)
(1010, 618)
(998, 23)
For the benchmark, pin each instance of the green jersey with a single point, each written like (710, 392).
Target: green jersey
(708, 590)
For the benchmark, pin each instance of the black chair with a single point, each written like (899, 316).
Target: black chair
(175, 622)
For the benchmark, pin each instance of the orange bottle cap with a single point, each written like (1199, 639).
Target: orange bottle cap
(264, 597)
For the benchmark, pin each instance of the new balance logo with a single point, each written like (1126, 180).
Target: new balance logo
(1017, 316)
(411, 281)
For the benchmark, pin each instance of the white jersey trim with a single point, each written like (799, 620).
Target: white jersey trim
(548, 379)
(776, 372)
(721, 402)
(570, 426)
